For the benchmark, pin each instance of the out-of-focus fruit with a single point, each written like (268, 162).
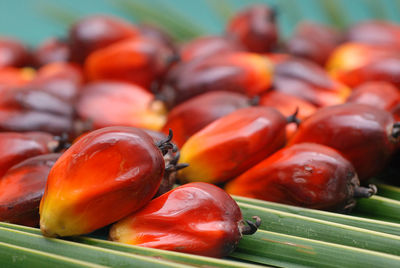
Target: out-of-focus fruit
(241, 72)
(365, 135)
(192, 115)
(308, 81)
(95, 32)
(137, 60)
(114, 103)
(13, 53)
(101, 178)
(307, 175)
(255, 28)
(232, 144)
(51, 50)
(22, 187)
(313, 41)
(11, 77)
(196, 218)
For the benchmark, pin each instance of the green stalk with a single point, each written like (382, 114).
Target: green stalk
(15, 256)
(290, 224)
(389, 191)
(290, 251)
(370, 224)
(163, 254)
(377, 207)
(82, 252)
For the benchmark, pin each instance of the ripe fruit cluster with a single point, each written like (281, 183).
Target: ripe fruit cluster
(301, 123)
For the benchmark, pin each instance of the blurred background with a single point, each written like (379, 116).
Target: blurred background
(32, 21)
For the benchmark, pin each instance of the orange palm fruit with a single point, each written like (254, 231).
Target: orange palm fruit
(241, 72)
(197, 218)
(365, 135)
(95, 32)
(288, 105)
(51, 50)
(13, 53)
(313, 41)
(137, 60)
(255, 27)
(22, 188)
(232, 144)
(127, 105)
(192, 115)
(306, 174)
(11, 77)
(308, 81)
(104, 176)
(206, 46)
(374, 32)
(16, 147)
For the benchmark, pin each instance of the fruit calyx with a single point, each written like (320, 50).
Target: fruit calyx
(395, 134)
(165, 145)
(365, 192)
(293, 117)
(59, 143)
(251, 227)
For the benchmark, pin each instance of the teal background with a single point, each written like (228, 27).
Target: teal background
(34, 20)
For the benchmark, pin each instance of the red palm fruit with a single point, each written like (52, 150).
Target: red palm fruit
(197, 218)
(16, 147)
(288, 105)
(365, 135)
(127, 105)
(192, 115)
(62, 80)
(381, 95)
(255, 28)
(384, 68)
(232, 144)
(13, 53)
(240, 72)
(95, 32)
(51, 50)
(22, 187)
(208, 46)
(136, 60)
(11, 77)
(374, 32)
(153, 32)
(313, 41)
(103, 177)
(307, 175)
(308, 81)
(350, 56)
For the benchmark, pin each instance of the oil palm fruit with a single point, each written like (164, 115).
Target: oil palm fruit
(197, 218)
(13, 53)
(22, 187)
(104, 176)
(305, 174)
(230, 145)
(365, 135)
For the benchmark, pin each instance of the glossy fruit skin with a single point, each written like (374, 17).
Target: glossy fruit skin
(232, 144)
(109, 166)
(51, 50)
(192, 115)
(306, 174)
(22, 188)
(207, 46)
(374, 32)
(151, 31)
(13, 53)
(16, 147)
(361, 133)
(308, 81)
(313, 41)
(240, 72)
(255, 28)
(95, 32)
(196, 218)
(128, 105)
(137, 60)
(288, 105)
(381, 95)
